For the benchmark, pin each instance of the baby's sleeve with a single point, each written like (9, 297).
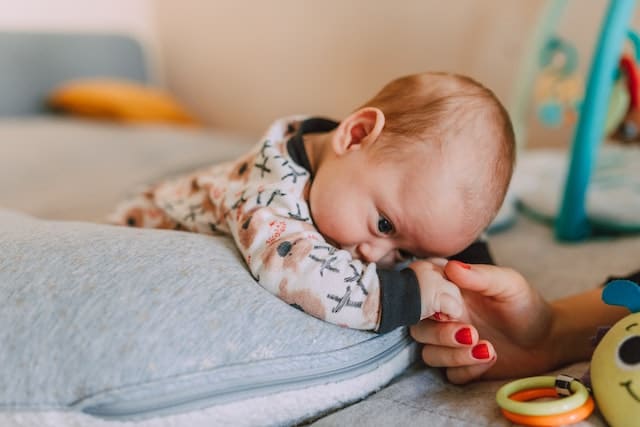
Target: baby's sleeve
(291, 259)
(400, 302)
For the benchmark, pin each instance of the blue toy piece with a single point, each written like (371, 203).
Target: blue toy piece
(624, 293)
(551, 114)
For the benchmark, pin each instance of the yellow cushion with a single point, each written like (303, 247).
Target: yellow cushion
(118, 100)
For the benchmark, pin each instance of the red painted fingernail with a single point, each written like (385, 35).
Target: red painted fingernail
(481, 351)
(463, 336)
(440, 317)
(462, 264)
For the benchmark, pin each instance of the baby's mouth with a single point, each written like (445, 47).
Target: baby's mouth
(627, 385)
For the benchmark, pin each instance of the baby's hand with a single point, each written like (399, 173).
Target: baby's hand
(439, 297)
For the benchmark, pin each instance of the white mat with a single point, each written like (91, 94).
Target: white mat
(613, 197)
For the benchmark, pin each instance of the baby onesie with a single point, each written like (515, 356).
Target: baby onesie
(261, 201)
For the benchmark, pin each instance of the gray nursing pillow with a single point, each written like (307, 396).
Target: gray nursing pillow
(127, 323)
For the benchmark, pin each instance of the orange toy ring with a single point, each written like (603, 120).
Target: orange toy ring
(568, 417)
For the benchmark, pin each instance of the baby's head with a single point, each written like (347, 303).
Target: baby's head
(421, 168)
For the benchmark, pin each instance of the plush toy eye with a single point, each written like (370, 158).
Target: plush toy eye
(629, 351)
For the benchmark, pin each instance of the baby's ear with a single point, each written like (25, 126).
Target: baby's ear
(358, 130)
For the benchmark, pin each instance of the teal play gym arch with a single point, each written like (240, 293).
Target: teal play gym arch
(572, 222)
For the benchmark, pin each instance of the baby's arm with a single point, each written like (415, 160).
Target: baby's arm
(141, 211)
(182, 203)
(288, 257)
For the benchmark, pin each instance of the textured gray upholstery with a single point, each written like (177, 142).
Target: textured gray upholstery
(31, 64)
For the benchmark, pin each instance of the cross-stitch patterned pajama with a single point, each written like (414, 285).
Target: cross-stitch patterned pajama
(260, 200)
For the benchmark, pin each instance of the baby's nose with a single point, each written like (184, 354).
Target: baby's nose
(372, 252)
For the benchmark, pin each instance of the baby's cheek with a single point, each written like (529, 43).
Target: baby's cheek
(329, 225)
(341, 225)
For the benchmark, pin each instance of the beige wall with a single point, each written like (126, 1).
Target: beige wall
(240, 63)
(129, 16)
(135, 17)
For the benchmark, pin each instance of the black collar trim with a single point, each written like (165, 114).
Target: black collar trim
(295, 145)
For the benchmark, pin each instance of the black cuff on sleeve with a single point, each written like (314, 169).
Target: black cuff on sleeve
(477, 253)
(400, 303)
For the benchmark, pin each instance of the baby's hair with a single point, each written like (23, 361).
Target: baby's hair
(436, 107)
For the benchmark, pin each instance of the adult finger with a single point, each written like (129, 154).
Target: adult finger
(439, 356)
(465, 374)
(447, 334)
(488, 280)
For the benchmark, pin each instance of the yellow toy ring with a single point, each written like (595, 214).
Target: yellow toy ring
(569, 417)
(554, 407)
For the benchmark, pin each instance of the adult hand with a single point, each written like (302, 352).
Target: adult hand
(512, 318)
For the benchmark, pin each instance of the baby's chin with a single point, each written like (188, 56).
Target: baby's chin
(387, 262)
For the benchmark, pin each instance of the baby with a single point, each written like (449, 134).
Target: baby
(321, 211)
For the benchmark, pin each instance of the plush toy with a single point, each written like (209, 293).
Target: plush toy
(558, 89)
(615, 365)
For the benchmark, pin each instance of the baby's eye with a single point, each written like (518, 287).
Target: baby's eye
(384, 225)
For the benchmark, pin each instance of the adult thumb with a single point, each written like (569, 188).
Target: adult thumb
(488, 280)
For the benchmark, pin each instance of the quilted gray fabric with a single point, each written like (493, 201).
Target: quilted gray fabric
(96, 315)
